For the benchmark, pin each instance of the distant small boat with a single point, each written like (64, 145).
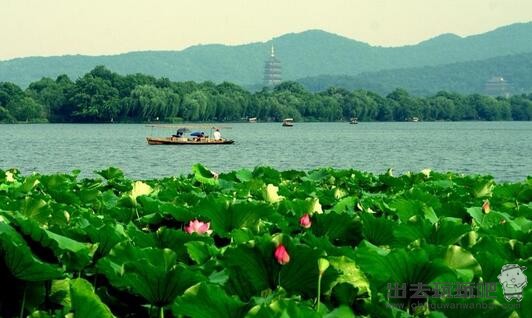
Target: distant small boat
(414, 119)
(288, 122)
(354, 121)
(252, 119)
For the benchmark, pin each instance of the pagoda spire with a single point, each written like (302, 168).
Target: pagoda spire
(272, 70)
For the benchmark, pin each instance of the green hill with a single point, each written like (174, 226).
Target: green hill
(306, 54)
(465, 77)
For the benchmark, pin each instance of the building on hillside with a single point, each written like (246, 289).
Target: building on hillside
(272, 70)
(497, 86)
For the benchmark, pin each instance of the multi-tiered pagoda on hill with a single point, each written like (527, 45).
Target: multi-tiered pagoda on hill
(272, 70)
(497, 86)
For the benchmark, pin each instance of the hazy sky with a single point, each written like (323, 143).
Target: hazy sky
(57, 27)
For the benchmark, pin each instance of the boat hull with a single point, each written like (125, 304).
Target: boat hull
(185, 141)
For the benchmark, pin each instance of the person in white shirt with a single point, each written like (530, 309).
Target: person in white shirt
(217, 135)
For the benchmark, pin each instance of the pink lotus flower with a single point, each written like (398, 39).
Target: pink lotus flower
(486, 207)
(281, 255)
(198, 227)
(304, 221)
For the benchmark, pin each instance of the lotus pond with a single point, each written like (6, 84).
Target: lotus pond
(262, 243)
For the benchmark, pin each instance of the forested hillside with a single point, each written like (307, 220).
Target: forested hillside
(464, 78)
(105, 96)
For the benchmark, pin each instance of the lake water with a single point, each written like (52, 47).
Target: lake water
(501, 149)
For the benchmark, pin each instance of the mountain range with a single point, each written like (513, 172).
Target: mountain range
(309, 54)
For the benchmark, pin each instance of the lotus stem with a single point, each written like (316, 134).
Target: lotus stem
(161, 312)
(23, 301)
(319, 293)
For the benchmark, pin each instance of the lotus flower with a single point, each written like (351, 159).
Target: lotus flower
(486, 207)
(198, 227)
(281, 255)
(304, 221)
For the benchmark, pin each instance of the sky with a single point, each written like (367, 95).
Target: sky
(97, 27)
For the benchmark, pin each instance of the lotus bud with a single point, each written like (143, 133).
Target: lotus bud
(281, 255)
(304, 221)
(323, 264)
(199, 227)
(486, 207)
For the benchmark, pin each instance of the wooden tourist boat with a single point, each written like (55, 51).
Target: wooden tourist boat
(194, 138)
(187, 141)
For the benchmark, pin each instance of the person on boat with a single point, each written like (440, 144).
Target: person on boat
(217, 135)
(178, 134)
(200, 136)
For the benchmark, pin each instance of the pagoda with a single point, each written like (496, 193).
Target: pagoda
(497, 86)
(272, 70)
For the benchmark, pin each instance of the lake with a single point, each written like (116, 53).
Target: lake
(501, 149)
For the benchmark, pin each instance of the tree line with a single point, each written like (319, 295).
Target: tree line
(104, 96)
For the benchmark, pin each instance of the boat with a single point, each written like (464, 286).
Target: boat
(194, 138)
(187, 141)
(288, 122)
(354, 121)
(414, 119)
(252, 119)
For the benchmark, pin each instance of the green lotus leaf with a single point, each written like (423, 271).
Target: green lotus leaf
(36, 209)
(483, 188)
(149, 272)
(107, 236)
(487, 220)
(407, 208)
(463, 262)
(300, 275)
(109, 199)
(349, 273)
(75, 255)
(206, 301)
(398, 266)
(244, 175)
(346, 204)
(85, 303)
(267, 175)
(283, 307)
(177, 241)
(203, 175)
(200, 252)
(378, 230)
(415, 230)
(111, 173)
(448, 231)
(140, 238)
(20, 260)
(225, 217)
(60, 187)
(60, 293)
(251, 269)
(341, 229)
